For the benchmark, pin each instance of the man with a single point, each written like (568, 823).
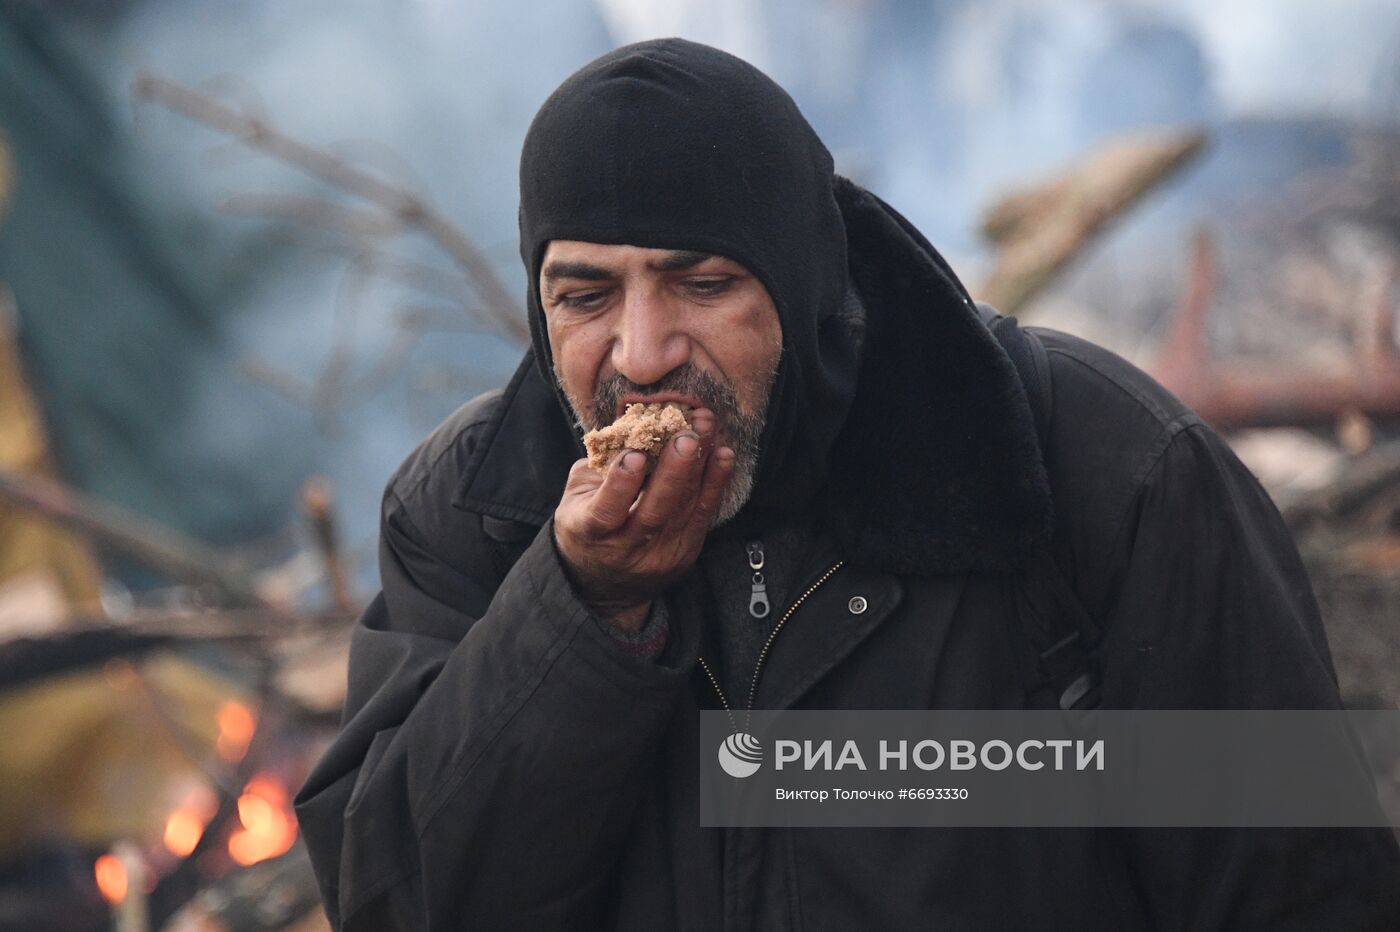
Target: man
(848, 525)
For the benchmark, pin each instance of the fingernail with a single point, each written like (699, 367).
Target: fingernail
(633, 462)
(687, 444)
(725, 456)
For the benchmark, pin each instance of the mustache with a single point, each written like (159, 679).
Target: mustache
(718, 396)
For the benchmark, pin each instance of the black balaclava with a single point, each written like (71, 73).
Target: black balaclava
(669, 144)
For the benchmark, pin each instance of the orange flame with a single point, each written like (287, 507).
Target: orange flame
(111, 878)
(183, 829)
(184, 826)
(269, 828)
(236, 726)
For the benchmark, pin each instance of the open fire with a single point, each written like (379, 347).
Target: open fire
(265, 827)
(111, 878)
(268, 826)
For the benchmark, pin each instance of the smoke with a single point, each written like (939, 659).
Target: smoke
(936, 106)
(432, 96)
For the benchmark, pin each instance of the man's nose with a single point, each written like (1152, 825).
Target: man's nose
(650, 341)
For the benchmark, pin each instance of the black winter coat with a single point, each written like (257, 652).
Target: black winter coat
(505, 765)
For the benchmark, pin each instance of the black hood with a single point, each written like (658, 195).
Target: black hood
(935, 469)
(673, 145)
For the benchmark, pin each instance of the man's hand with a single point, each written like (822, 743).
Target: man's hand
(625, 536)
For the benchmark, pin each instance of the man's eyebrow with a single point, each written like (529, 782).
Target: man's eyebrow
(683, 259)
(557, 270)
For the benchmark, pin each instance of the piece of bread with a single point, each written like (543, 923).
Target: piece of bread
(644, 427)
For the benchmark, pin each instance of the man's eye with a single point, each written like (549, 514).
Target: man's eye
(709, 287)
(587, 299)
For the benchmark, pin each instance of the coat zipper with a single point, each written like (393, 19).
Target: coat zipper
(772, 636)
(758, 599)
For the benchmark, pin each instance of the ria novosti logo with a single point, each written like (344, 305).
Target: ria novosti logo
(740, 755)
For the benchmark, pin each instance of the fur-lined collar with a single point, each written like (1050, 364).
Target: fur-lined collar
(937, 470)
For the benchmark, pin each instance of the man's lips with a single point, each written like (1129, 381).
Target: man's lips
(661, 398)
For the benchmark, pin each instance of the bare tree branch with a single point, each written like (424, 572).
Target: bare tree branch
(314, 211)
(137, 537)
(405, 206)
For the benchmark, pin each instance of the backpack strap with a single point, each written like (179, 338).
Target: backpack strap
(1060, 629)
(1028, 355)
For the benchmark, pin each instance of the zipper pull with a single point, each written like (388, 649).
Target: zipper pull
(758, 599)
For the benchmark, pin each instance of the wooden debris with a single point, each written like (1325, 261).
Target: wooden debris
(316, 502)
(1233, 394)
(279, 894)
(1376, 555)
(1290, 462)
(134, 536)
(1355, 432)
(1183, 364)
(131, 913)
(1038, 231)
(1365, 478)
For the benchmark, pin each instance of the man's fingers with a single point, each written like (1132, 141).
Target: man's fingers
(610, 505)
(667, 498)
(702, 421)
(673, 484)
(583, 479)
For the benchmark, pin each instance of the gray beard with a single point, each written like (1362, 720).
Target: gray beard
(742, 430)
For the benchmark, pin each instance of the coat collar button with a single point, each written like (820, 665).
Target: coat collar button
(857, 604)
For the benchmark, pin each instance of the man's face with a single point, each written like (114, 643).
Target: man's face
(629, 324)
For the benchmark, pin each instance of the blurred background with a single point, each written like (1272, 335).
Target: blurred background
(252, 251)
